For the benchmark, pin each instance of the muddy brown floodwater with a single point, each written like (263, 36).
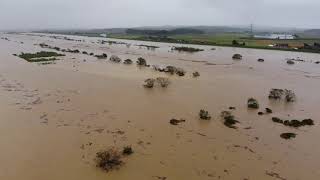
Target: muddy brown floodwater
(56, 117)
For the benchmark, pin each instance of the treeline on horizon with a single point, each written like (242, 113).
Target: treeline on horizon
(151, 32)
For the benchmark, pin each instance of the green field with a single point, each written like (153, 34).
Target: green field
(225, 39)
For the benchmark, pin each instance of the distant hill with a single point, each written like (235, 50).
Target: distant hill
(154, 32)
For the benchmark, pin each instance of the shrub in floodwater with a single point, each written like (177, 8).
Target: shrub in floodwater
(253, 103)
(102, 56)
(128, 61)
(288, 135)
(141, 62)
(237, 56)
(164, 82)
(276, 93)
(176, 121)
(196, 74)
(187, 49)
(294, 123)
(170, 69)
(180, 72)
(204, 115)
(114, 58)
(149, 83)
(289, 95)
(109, 160)
(127, 150)
(268, 110)
(290, 62)
(229, 119)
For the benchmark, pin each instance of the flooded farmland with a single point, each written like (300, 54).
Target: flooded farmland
(57, 116)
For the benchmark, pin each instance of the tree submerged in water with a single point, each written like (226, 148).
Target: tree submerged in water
(253, 103)
(204, 115)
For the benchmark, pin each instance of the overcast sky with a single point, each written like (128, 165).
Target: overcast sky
(35, 14)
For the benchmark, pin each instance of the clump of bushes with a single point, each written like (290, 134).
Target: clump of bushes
(128, 61)
(127, 150)
(102, 56)
(288, 135)
(187, 49)
(195, 74)
(40, 56)
(141, 62)
(174, 70)
(288, 95)
(290, 62)
(115, 59)
(112, 159)
(229, 119)
(176, 122)
(149, 83)
(109, 160)
(294, 123)
(237, 56)
(204, 115)
(276, 93)
(163, 82)
(253, 103)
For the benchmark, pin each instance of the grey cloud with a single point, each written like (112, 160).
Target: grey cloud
(15, 14)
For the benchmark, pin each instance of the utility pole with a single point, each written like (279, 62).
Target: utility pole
(251, 30)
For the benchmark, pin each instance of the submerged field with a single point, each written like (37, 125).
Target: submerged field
(57, 117)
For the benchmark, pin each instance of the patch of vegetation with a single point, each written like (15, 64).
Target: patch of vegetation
(176, 122)
(141, 62)
(109, 160)
(102, 56)
(40, 56)
(187, 49)
(288, 135)
(287, 95)
(253, 103)
(290, 62)
(127, 150)
(237, 56)
(115, 59)
(229, 119)
(294, 123)
(127, 61)
(149, 83)
(195, 74)
(163, 82)
(204, 115)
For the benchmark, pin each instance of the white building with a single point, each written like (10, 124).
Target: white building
(275, 36)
